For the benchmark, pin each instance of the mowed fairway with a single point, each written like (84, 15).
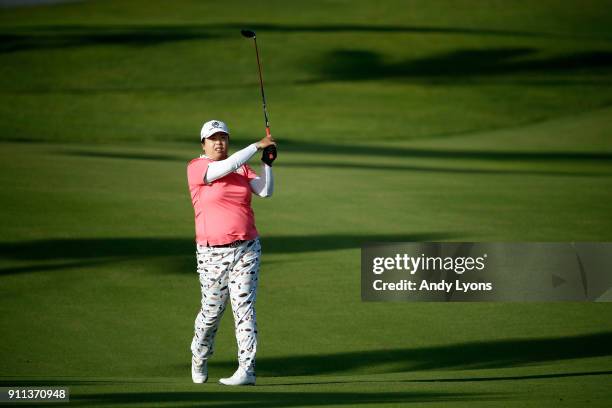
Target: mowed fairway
(398, 121)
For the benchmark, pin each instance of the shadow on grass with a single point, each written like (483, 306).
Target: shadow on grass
(476, 355)
(128, 156)
(163, 86)
(319, 149)
(432, 169)
(428, 153)
(371, 151)
(248, 398)
(14, 39)
(73, 381)
(389, 29)
(356, 65)
(459, 67)
(68, 253)
(69, 36)
(494, 354)
(431, 380)
(51, 267)
(518, 377)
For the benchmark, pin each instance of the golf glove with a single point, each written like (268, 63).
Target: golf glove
(269, 155)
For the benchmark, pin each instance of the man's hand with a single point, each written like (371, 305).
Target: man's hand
(269, 155)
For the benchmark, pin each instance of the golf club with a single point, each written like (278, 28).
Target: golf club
(251, 34)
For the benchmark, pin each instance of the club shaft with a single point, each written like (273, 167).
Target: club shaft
(261, 85)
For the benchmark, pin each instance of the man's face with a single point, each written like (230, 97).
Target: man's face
(216, 146)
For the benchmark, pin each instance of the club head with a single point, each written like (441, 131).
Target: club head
(247, 33)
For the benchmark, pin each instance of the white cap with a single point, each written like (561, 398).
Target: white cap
(211, 127)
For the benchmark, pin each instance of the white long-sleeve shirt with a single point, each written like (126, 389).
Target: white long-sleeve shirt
(263, 185)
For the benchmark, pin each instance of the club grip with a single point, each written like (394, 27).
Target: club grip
(268, 132)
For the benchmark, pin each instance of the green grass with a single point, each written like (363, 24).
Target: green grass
(397, 121)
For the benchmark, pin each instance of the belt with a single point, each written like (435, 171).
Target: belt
(230, 245)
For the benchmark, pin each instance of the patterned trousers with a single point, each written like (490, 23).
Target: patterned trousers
(233, 273)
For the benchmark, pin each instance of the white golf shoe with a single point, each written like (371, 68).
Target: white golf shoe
(199, 370)
(240, 377)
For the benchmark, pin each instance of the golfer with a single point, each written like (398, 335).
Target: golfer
(227, 245)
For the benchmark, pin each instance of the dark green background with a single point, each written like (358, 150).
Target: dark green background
(396, 121)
